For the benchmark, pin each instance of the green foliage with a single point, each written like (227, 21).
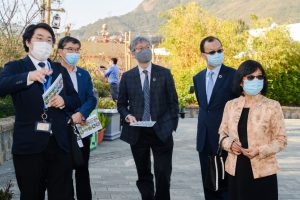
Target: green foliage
(6, 107)
(280, 57)
(6, 193)
(103, 120)
(186, 25)
(107, 103)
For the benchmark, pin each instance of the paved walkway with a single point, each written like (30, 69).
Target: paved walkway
(113, 173)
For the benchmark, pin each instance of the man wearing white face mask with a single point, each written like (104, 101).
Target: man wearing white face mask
(69, 51)
(213, 89)
(41, 147)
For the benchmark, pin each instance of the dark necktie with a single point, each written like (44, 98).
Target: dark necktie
(146, 91)
(42, 65)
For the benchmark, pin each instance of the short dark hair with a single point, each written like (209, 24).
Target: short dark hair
(208, 39)
(29, 31)
(114, 60)
(63, 41)
(246, 68)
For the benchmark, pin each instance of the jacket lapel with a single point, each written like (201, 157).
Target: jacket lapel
(219, 82)
(202, 86)
(79, 80)
(153, 80)
(137, 80)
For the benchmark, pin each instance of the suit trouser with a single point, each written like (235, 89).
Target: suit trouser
(114, 90)
(82, 175)
(50, 168)
(210, 194)
(162, 155)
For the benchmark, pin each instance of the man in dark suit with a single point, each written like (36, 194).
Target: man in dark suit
(41, 148)
(213, 87)
(147, 93)
(69, 51)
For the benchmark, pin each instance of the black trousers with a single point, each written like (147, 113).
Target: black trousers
(50, 168)
(82, 175)
(162, 155)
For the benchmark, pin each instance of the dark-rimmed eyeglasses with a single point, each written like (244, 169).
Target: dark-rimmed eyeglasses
(251, 77)
(71, 50)
(213, 52)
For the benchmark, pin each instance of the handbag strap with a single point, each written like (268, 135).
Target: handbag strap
(219, 151)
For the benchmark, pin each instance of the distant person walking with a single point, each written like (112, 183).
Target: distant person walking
(113, 73)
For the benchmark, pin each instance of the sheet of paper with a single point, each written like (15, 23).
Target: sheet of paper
(143, 123)
(92, 125)
(54, 89)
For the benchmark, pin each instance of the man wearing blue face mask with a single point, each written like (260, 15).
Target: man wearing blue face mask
(69, 51)
(213, 88)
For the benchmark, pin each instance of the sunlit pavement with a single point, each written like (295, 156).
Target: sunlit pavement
(113, 172)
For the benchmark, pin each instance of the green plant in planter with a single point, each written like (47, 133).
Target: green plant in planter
(102, 87)
(103, 120)
(6, 193)
(107, 103)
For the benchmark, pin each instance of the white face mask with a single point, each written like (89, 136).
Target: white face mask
(41, 50)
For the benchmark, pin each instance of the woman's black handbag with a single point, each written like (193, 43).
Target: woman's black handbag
(76, 145)
(215, 176)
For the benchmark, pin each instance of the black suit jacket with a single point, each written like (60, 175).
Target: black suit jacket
(210, 115)
(163, 102)
(28, 103)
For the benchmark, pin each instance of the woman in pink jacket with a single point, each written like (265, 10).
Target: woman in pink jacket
(255, 131)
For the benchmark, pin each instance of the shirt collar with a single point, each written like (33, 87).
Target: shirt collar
(216, 71)
(148, 69)
(36, 62)
(74, 70)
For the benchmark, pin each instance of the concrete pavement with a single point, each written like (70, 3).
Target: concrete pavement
(113, 172)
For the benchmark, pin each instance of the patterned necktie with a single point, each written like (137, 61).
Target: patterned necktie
(210, 85)
(146, 91)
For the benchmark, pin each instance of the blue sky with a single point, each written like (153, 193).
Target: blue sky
(83, 12)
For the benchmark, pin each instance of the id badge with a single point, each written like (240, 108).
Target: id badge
(79, 142)
(43, 126)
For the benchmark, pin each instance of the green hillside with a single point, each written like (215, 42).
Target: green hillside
(145, 18)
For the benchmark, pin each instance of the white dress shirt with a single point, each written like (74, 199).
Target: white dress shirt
(36, 64)
(142, 74)
(216, 71)
(74, 78)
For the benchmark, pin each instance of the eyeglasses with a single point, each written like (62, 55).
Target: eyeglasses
(141, 48)
(251, 77)
(72, 50)
(213, 52)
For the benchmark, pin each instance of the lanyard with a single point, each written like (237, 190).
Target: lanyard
(47, 83)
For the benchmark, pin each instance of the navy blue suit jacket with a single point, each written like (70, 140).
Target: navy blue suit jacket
(85, 92)
(210, 115)
(163, 102)
(29, 105)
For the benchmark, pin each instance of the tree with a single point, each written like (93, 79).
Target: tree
(186, 25)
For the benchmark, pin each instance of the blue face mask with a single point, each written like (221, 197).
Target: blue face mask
(72, 58)
(215, 60)
(253, 87)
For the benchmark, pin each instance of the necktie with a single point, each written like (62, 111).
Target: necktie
(210, 85)
(41, 64)
(146, 91)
